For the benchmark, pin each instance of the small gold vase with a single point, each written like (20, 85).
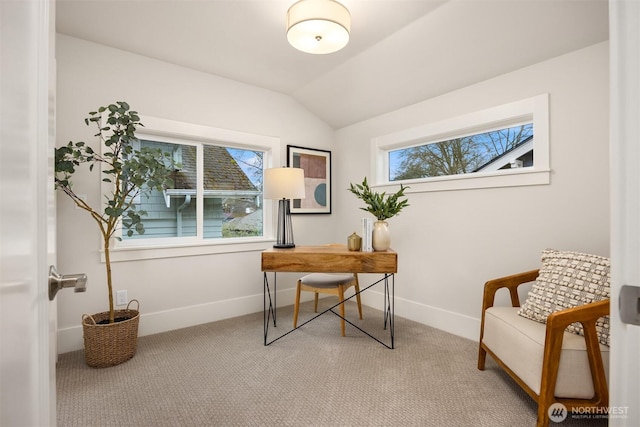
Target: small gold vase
(354, 242)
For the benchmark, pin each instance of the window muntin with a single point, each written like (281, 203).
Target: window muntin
(499, 149)
(533, 111)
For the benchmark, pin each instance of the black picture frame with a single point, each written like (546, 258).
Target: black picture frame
(316, 165)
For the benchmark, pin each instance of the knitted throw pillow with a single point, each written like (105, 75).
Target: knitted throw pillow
(569, 279)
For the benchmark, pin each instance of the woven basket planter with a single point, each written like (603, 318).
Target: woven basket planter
(110, 344)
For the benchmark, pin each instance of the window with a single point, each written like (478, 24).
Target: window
(215, 203)
(231, 196)
(504, 148)
(501, 146)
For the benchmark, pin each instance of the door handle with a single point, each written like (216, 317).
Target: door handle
(629, 304)
(59, 281)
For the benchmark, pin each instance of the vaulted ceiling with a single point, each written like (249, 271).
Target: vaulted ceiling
(400, 52)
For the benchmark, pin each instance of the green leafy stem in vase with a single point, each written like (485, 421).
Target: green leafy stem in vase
(380, 205)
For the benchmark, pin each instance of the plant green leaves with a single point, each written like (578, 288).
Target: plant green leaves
(379, 204)
(131, 171)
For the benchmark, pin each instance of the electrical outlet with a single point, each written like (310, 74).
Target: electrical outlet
(121, 298)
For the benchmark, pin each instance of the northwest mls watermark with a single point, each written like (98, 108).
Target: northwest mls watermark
(558, 412)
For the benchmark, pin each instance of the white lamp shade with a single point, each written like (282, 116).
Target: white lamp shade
(318, 26)
(284, 183)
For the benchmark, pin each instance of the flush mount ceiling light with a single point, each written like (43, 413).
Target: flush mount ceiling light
(318, 26)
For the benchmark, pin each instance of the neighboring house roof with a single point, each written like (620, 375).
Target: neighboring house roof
(222, 175)
(505, 158)
(221, 172)
(250, 222)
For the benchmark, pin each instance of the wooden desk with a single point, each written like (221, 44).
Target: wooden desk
(329, 259)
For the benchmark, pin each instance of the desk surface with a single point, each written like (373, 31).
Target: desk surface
(329, 259)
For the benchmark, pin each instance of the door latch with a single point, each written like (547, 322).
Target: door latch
(629, 304)
(59, 281)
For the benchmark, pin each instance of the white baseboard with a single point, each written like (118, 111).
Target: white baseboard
(448, 321)
(70, 339)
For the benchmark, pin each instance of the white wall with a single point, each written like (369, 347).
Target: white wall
(450, 243)
(182, 291)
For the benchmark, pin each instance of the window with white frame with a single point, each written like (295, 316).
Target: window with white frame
(501, 146)
(231, 182)
(215, 203)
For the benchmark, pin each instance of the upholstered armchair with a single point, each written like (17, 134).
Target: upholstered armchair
(556, 345)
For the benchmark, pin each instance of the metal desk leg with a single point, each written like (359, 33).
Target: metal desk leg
(389, 298)
(389, 310)
(271, 309)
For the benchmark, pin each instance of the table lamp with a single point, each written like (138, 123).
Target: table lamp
(283, 184)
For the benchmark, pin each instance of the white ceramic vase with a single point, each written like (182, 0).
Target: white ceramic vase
(381, 237)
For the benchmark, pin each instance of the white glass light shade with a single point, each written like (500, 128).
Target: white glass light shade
(318, 26)
(284, 183)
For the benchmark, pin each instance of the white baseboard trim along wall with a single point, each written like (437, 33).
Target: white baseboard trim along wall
(70, 339)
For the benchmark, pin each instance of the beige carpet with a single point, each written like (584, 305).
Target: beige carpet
(221, 374)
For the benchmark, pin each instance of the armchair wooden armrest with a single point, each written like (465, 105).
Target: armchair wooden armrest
(557, 322)
(511, 283)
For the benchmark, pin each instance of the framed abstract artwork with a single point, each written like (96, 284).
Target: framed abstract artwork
(316, 165)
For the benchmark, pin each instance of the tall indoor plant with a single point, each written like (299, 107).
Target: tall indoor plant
(383, 207)
(129, 172)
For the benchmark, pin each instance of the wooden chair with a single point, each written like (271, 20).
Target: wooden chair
(327, 283)
(552, 336)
